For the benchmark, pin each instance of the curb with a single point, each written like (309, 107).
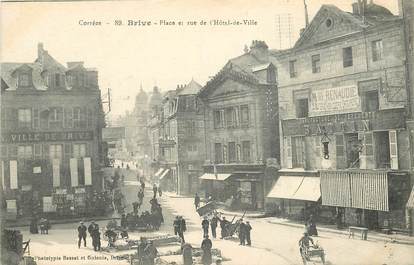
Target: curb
(345, 233)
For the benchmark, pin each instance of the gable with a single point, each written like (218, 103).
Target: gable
(330, 22)
(230, 87)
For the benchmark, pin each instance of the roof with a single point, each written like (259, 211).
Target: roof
(375, 15)
(10, 78)
(191, 88)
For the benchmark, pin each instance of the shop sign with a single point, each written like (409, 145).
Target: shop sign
(345, 123)
(22, 137)
(334, 100)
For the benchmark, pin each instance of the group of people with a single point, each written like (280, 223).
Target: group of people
(94, 233)
(43, 224)
(180, 227)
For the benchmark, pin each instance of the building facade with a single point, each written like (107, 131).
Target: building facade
(51, 142)
(179, 136)
(240, 119)
(343, 110)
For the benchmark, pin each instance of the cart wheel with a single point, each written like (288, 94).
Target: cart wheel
(323, 258)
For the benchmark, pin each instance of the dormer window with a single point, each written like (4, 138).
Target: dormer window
(24, 80)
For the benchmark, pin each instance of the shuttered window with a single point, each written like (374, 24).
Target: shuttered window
(393, 149)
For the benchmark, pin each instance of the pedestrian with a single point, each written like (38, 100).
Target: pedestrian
(205, 224)
(311, 226)
(33, 226)
(197, 201)
(96, 239)
(82, 234)
(176, 225)
(242, 232)
(206, 246)
(91, 227)
(248, 229)
(135, 206)
(223, 225)
(123, 221)
(142, 184)
(187, 251)
(159, 191)
(141, 251)
(151, 253)
(213, 224)
(183, 228)
(154, 190)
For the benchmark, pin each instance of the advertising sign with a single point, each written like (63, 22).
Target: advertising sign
(334, 100)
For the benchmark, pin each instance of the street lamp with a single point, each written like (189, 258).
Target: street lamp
(325, 142)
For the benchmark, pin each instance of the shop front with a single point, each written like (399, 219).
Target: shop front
(369, 198)
(296, 197)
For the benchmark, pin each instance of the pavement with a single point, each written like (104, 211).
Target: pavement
(275, 241)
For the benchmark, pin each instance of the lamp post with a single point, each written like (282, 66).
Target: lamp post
(325, 142)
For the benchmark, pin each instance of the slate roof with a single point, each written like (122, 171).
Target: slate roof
(9, 76)
(191, 88)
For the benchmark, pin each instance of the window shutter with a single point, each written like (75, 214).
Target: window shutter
(288, 151)
(393, 149)
(340, 151)
(367, 157)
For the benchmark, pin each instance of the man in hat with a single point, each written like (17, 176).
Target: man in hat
(96, 239)
(248, 229)
(205, 224)
(197, 201)
(206, 246)
(92, 226)
(223, 225)
(213, 224)
(183, 228)
(242, 232)
(81, 234)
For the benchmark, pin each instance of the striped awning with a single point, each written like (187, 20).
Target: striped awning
(355, 189)
(209, 176)
(164, 174)
(296, 188)
(159, 172)
(410, 203)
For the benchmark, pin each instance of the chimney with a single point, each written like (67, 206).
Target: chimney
(72, 64)
(355, 8)
(259, 49)
(40, 51)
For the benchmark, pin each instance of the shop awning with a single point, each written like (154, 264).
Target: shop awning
(410, 203)
(355, 189)
(159, 172)
(164, 174)
(210, 176)
(296, 188)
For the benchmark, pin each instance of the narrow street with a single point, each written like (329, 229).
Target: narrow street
(272, 243)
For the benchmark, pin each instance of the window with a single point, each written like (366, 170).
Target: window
(246, 151)
(316, 63)
(76, 117)
(377, 51)
(292, 69)
(370, 101)
(25, 118)
(56, 118)
(24, 152)
(230, 121)
(24, 80)
(191, 126)
(245, 115)
(55, 151)
(382, 149)
(79, 150)
(57, 80)
(218, 119)
(38, 150)
(218, 153)
(271, 75)
(347, 56)
(70, 79)
(353, 150)
(36, 118)
(232, 152)
(89, 119)
(297, 152)
(192, 148)
(302, 108)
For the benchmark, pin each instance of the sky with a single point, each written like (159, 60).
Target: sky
(161, 55)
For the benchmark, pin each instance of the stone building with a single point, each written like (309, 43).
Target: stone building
(51, 142)
(178, 136)
(343, 106)
(240, 117)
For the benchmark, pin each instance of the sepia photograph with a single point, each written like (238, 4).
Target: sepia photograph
(214, 132)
